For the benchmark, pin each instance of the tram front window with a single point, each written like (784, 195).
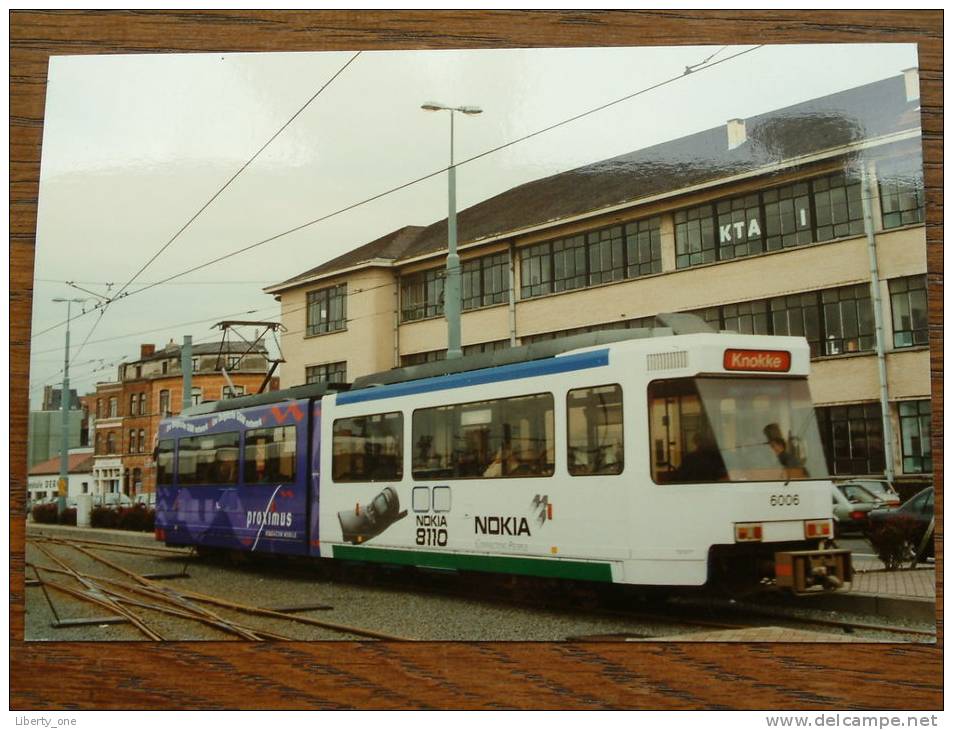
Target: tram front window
(733, 430)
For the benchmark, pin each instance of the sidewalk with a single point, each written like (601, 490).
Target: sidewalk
(919, 583)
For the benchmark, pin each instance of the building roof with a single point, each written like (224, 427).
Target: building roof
(813, 126)
(78, 464)
(387, 248)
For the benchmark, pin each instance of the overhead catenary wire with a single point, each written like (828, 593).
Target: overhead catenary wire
(432, 174)
(222, 189)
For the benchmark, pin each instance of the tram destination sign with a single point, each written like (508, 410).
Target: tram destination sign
(764, 361)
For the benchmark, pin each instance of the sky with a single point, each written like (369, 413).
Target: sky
(135, 146)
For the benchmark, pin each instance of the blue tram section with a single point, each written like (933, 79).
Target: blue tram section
(241, 479)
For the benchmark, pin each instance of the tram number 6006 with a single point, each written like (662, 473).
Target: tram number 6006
(432, 536)
(784, 500)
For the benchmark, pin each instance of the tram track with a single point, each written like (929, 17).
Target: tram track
(129, 597)
(626, 614)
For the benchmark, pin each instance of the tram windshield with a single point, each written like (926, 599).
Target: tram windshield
(733, 430)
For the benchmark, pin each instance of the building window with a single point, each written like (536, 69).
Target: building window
(848, 319)
(852, 436)
(694, 237)
(164, 403)
(798, 315)
(901, 192)
(195, 364)
(593, 258)
(110, 443)
(142, 440)
(421, 295)
(165, 367)
(485, 347)
(748, 318)
(535, 270)
(739, 227)
(821, 209)
(99, 408)
(838, 210)
(133, 400)
(643, 247)
(639, 323)
(606, 256)
(485, 281)
(113, 407)
(142, 404)
(234, 391)
(908, 304)
(834, 321)
(133, 447)
(99, 443)
(787, 217)
(569, 263)
(594, 423)
(419, 358)
(196, 396)
(915, 436)
(232, 361)
(332, 372)
(327, 310)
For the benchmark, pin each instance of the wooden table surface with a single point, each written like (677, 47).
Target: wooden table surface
(444, 675)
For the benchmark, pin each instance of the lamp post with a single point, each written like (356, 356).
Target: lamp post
(63, 485)
(451, 289)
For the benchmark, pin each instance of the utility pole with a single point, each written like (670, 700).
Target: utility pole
(451, 287)
(63, 486)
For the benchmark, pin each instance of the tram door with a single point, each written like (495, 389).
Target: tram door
(314, 480)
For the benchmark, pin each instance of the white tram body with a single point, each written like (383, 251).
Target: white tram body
(577, 465)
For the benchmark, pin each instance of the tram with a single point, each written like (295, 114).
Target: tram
(650, 457)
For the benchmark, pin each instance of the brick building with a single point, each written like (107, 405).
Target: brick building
(128, 411)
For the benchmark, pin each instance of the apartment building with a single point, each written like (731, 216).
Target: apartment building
(128, 411)
(765, 225)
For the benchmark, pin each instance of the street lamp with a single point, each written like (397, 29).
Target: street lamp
(64, 426)
(451, 291)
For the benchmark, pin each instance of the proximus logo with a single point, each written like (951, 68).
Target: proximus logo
(268, 519)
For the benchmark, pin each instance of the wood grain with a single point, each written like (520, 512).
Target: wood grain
(444, 675)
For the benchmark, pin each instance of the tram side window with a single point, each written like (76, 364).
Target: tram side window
(368, 448)
(209, 459)
(594, 418)
(165, 461)
(502, 438)
(270, 455)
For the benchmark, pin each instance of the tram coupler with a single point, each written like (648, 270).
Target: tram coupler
(806, 572)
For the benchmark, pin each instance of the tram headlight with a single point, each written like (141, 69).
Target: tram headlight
(748, 532)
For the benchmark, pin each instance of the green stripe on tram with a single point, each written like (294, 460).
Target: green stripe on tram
(543, 567)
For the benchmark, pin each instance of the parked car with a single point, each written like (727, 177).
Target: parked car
(915, 515)
(851, 507)
(880, 488)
